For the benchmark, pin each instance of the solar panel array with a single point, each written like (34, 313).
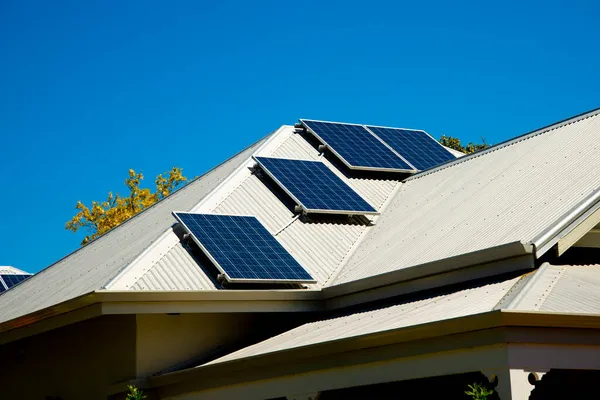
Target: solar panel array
(417, 147)
(314, 186)
(243, 249)
(356, 147)
(9, 280)
(377, 148)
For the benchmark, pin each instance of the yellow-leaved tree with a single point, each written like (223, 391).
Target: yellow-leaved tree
(103, 216)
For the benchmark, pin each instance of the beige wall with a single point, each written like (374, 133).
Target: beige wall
(74, 362)
(164, 341)
(84, 360)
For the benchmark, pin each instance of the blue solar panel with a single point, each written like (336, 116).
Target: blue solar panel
(243, 249)
(356, 146)
(315, 187)
(12, 280)
(417, 147)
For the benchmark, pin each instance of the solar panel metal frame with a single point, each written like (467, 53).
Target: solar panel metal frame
(413, 130)
(309, 210)
(348, 164)
(218, 266)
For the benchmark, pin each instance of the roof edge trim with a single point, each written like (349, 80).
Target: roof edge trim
(485, 256)
(507, 143)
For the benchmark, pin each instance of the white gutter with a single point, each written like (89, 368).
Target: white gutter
(567, 222)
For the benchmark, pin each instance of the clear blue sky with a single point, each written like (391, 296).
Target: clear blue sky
(93, 88)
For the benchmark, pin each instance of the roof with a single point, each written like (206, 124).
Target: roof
(551, 288)
(513, 192)
(7, 270)
(320, 245)
(94, 265)
(526, 190)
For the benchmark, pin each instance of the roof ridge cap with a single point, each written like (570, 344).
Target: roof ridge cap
(507, 143)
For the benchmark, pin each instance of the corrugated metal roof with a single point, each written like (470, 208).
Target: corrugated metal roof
(173, 272)
(94, 265)
(319, 244)
(7, 270)
(448, 306)
(511, 193)
(507, 194)
(566, 288)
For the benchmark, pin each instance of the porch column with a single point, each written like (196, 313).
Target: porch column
(513, 384)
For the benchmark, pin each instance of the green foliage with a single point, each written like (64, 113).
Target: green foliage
(134, 393)
(454, 143)
(105, 215)
(478, 392)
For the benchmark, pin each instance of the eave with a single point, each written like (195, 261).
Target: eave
(484, 329)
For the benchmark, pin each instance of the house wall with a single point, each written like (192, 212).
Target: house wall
(74, 362)
(87, 359)
(165, 341)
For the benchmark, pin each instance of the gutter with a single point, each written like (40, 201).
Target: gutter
(491, 256)
(103, 302)
(566, 223)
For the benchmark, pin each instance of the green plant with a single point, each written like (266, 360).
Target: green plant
(454, 143)
(478, 392)
(134, 393)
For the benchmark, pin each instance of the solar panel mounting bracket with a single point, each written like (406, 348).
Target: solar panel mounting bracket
(298, 209)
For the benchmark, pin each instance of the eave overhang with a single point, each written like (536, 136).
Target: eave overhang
(488, 328)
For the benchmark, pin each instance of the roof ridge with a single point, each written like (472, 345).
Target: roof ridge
(528, 288)
(540, 131)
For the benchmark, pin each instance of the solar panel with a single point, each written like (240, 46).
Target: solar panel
(11, 280)
(243, 249)
(417, 147)
(356, 147)
(314, 186)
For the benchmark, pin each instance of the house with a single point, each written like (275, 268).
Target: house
(484, 268)
(11, 276)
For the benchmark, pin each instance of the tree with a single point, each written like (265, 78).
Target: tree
(454, 143)
(104, 216)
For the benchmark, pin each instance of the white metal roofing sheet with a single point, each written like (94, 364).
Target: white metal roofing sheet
(174, 271)
(94, 265)
(320, 245)
(7, 270)
(565, 288)
(458, 304)
(511, 193)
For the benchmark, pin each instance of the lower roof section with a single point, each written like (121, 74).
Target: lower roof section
(551, 289)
